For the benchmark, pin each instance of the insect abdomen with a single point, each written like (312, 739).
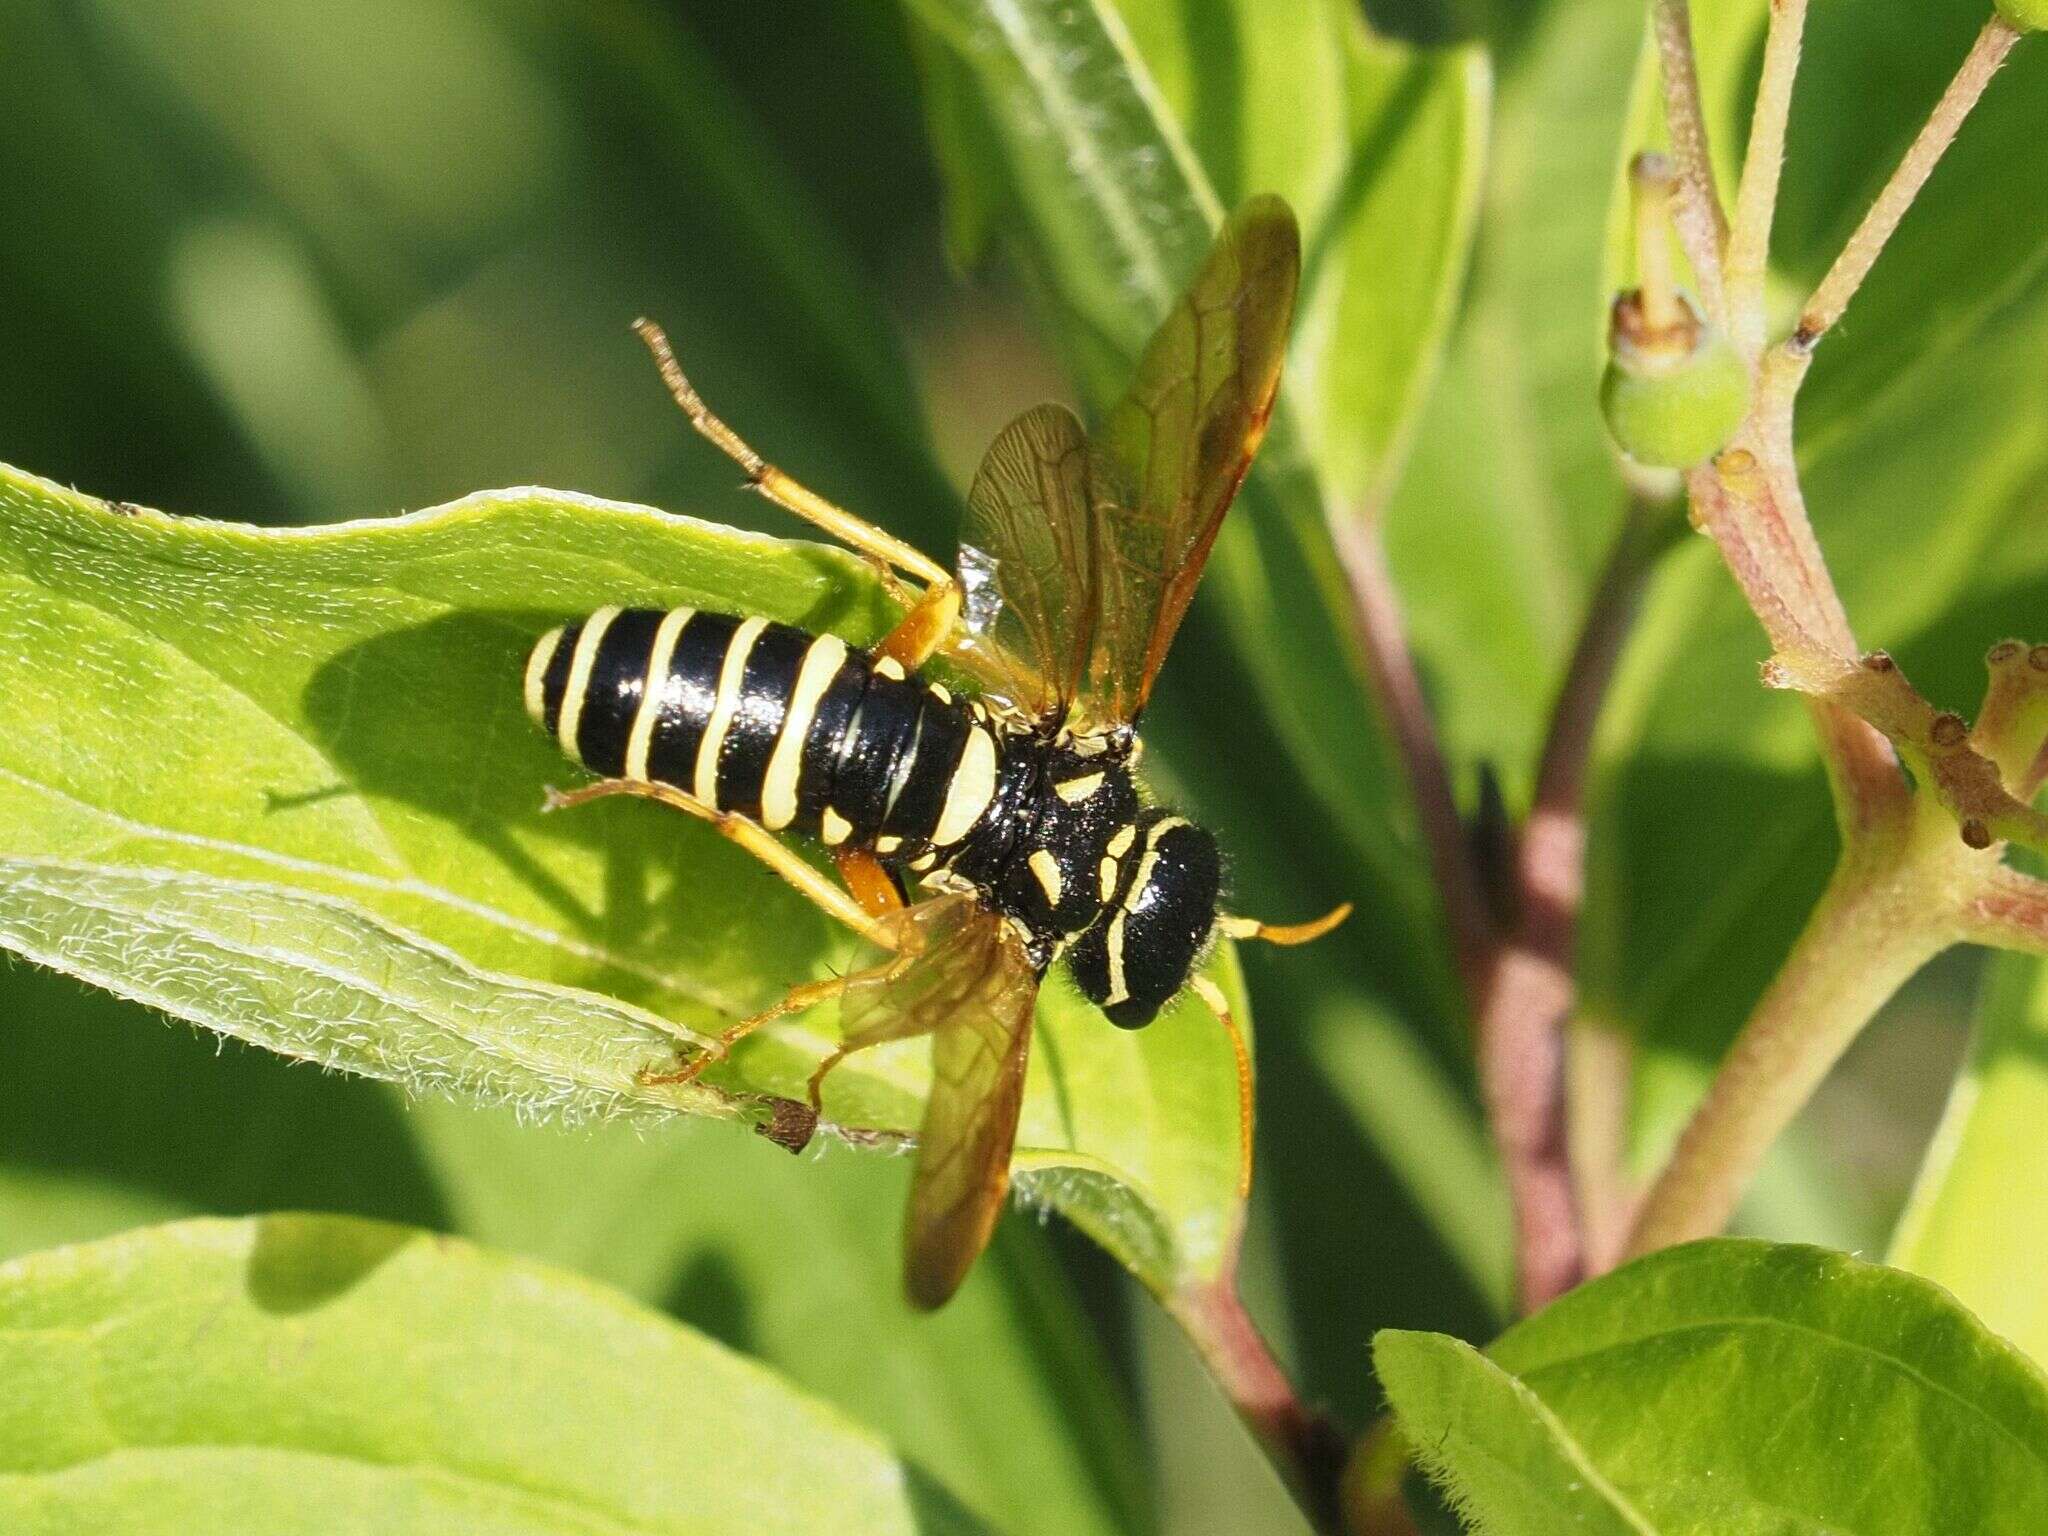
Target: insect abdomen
(792, 730)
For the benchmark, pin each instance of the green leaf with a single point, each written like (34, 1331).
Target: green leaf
(281, 784)
(1711, 829)
(1968, 1224)
(306, 1373)
(1111, 138)
(1738, 1387)
(91, 1144)
(467, 277)
(1436, 1150)
(1003, 1396)
(1506, 1463)
(344, 263)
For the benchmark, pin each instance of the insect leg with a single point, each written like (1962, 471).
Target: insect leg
(762, 844)
(891, 554)
(897, 1029)
(805, 995)
(871, 884)
(923, 628)
(1219, 1005)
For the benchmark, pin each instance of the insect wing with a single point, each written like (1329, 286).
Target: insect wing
(971, 986)
(1027, 563)
(1172, 453)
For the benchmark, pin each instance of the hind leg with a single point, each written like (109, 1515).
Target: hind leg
(750, 835)
(806, 995)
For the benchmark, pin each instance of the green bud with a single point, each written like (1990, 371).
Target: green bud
(1675, 392)
(2024, 15)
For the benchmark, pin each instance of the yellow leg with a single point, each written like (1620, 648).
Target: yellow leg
(751, 836)
(899, 1025)
(924, 628)
(816, 1090)
(790, 1125)
(869, 882)
(1219, 1005)
(885, 549)
(808, 995)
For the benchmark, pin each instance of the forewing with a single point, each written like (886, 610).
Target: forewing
(1174, 450)
(1027, 563)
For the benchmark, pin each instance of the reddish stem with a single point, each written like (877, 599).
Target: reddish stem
(1305, 1447)
(1521, 983)
(1531, 989)
(2011, 912)
(1382, 639)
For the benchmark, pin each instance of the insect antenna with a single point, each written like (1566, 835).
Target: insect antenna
(1282, 933)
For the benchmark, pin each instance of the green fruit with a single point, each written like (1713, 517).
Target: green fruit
(2024, 15)
(1674, 399)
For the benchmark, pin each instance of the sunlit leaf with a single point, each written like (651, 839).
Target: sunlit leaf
(1968, 1225)
(303, 1374)
(1736, 1387)
(1501, 1456)
(1000, 1396)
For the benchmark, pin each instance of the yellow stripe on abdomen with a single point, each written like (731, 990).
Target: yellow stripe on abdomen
(652, 688)
(821, 664)
(579, 678)
(970, 790)
(730, 673)
(537, 675)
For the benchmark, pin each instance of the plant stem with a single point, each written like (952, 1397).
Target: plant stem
(1530, 990)
(1382, 639)
(1307, 1449)
(1599, 1072)
(1749, 502)
(1886, 913)
(1702, 226)
(1756, 199)
(2011, 913)
(1864, 247)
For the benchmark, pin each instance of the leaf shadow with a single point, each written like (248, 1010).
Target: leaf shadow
(300, 1262)
(94, 1089)
(430, 717)
(711, 1296)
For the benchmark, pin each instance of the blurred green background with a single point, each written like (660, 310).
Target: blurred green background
(282, 261)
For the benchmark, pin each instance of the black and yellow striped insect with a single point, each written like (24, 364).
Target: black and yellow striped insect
(1015, 813)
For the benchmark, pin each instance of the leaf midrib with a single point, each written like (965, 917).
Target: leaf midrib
(410, 885)
(340, 976)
